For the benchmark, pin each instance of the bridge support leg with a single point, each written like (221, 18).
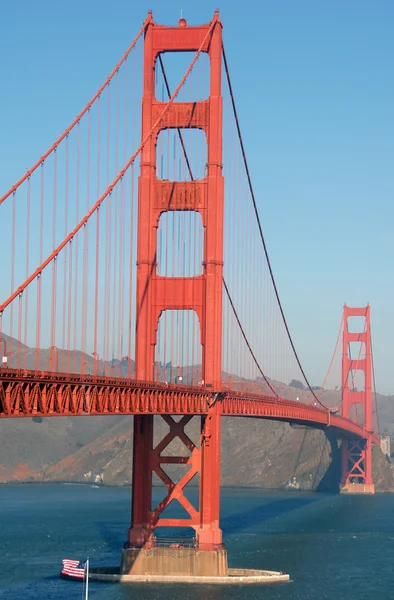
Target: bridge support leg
(357, 467)
(204, 555)
(156, 294)
(140, 531)
(357, 453)
(209, 534)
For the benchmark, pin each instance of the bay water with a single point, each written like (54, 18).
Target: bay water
(334, 547)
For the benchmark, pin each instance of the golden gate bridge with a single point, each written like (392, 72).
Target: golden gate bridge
(141, 238)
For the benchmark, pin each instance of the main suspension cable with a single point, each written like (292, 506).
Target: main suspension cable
(30, 171)
(321, 389)
(178, 128)
(247, 341)
(261, 231)
(374, 381)
(224, 282)
(110, 188)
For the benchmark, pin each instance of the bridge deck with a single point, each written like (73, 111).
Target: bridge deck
(38, 393)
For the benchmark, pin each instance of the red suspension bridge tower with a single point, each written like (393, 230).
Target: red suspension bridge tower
(357, 453)
(202, 294)
(254, 337)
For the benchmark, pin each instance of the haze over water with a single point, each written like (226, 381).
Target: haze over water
(334, 547)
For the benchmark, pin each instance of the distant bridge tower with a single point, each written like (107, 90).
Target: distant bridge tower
(357, 453)
(202, 293)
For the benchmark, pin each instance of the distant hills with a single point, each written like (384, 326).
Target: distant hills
(255, 452)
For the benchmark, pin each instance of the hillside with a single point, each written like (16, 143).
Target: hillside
(254, 452)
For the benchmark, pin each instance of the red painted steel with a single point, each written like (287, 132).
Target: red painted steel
(202, 294)
(155, 462)
(357, 454)
(25, 394)
(77, 119)
(146, 137)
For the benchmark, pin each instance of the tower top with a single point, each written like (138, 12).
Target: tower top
(182, 21)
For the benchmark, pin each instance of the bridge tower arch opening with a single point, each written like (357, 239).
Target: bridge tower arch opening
(200, 293)
(357, 400)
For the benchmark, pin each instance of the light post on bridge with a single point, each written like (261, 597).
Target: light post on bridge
(56, 351)
(49, 360)
(4, 357)
(96, 362)
(178, 378)
(83, 365)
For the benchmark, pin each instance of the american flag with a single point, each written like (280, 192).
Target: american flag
(74, 568)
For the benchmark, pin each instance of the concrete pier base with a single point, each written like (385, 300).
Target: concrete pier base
(358, 488)
(234, 577)
(181, 561)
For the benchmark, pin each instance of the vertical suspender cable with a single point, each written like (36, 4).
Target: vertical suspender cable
(26, 293)
(12, 266)
(65, 286)
(54, 264)
(261, 231)
(96, 279)
(85, 260)
(76, 250)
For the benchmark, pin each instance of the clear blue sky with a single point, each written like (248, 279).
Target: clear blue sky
(314, 85)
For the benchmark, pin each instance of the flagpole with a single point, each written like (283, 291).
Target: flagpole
(87, 580)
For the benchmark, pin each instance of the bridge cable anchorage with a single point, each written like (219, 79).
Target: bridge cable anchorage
(261, 231)
(121, 174)
(97, 95)
(224, 282)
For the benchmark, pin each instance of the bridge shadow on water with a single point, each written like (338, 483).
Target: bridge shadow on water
(325, 479)
(114, 533)
(327, 470)
(328, 475)
(243, 520)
